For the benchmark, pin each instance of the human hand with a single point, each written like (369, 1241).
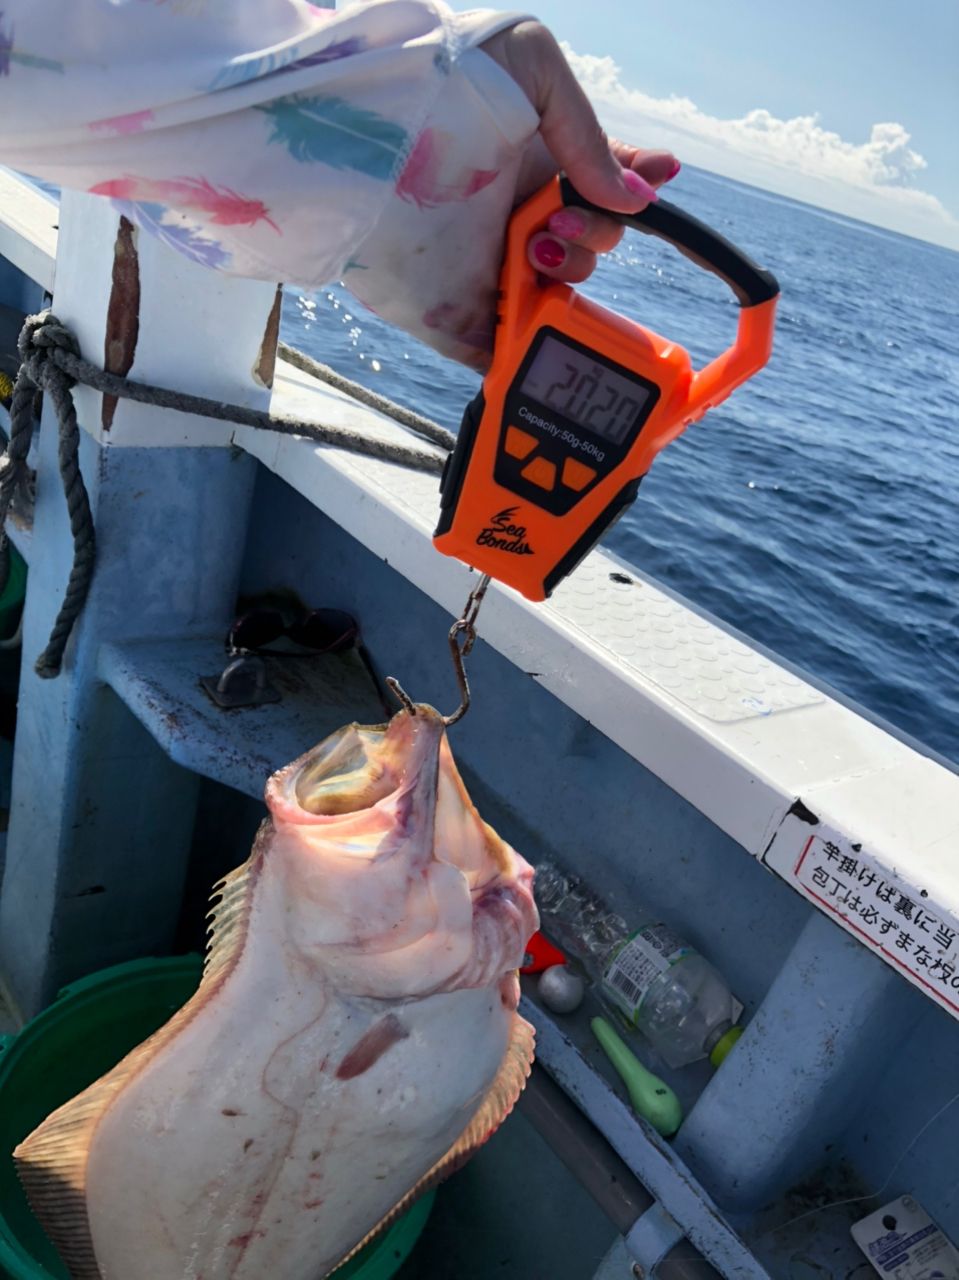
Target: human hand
(433, 264)
(612, 174)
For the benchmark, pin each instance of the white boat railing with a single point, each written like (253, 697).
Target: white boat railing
(28, 229)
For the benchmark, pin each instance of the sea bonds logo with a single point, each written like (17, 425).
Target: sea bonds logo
(504, 535)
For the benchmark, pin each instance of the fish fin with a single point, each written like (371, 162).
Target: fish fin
(52, 1162)
(230, 917)
(498, 1102)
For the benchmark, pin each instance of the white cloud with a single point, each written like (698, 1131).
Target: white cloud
(871, 180)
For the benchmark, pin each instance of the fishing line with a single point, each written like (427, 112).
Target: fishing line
(871, 1195)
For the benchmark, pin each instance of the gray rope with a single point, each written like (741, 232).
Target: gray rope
(41, 337)
(112, 384)
(406, 417)
(51, 360)
(13, 464)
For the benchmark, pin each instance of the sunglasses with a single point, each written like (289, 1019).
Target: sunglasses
(267, 631)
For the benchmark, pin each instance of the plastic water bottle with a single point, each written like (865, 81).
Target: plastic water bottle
(661, 985)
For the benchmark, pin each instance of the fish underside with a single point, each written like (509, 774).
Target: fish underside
(354, 1039)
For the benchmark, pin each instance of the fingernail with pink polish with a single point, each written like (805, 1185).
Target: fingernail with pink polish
(638, 186)
(674, 172)
(567, 224)
(549, 253)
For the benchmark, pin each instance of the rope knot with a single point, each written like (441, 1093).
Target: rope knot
(45, 347)
(41, 336)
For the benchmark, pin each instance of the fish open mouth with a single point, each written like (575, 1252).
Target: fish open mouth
(344, 775)
(385, 853)
(355, 769)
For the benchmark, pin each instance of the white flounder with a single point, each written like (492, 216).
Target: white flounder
(355, 1036)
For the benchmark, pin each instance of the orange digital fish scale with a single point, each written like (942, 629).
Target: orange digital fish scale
(578, 401)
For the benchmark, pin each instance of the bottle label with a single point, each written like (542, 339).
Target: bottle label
(640, 961)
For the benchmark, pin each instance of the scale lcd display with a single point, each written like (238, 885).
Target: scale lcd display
(584, 390)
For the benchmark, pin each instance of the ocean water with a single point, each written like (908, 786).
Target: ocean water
(817, 510)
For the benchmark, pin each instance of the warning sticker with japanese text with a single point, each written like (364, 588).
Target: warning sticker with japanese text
(900, 921)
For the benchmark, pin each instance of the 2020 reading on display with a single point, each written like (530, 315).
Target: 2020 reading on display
(586, 392)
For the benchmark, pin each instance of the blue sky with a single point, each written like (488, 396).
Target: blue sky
(848, 104)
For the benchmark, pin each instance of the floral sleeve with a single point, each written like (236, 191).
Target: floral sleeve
(271, 138)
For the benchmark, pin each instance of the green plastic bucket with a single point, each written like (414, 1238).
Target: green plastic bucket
(86, 1031)
(12, 596)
